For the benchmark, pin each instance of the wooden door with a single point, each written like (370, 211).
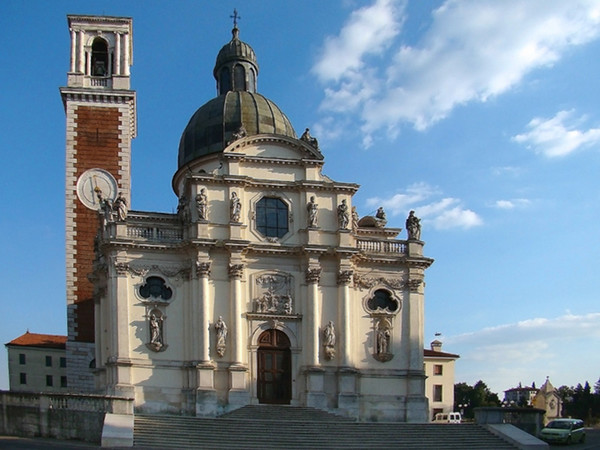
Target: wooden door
(274, 368)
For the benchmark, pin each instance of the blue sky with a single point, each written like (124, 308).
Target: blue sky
(482, 116)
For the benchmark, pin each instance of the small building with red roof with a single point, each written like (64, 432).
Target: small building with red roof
(37, 363)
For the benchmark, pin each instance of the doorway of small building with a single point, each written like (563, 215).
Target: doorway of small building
(274, 383)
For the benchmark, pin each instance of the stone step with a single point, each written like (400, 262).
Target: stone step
(304, 428)
(285, 412)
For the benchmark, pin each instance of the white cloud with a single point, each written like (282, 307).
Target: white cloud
(473, 50)
(558, 136)
(512, 204)
(441, 213)
(527, 351)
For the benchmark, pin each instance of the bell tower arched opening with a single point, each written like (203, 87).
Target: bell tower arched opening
(100, 67)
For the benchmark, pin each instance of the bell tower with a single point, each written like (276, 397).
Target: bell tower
(100, 110)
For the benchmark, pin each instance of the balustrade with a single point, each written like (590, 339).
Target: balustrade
(381, 246)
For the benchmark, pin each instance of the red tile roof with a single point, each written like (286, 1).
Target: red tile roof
(39, 340)
(433, 354)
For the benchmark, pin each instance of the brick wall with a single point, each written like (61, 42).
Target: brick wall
(97, 143)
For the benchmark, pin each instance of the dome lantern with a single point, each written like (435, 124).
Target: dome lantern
(236, 68)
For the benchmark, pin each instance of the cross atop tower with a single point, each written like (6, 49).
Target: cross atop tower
(235, 17)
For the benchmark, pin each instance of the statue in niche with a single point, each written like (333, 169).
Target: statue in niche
(156, 331)
(355, 219)
(311, 207)
(120, 207)
(221, 329)
(202, 204)
(183, 209)
(383, 341)
(413, 226)
(235, 208)
(329, 340)
(306, 137)
(343, 216)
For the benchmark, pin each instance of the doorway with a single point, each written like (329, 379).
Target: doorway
(274, 384)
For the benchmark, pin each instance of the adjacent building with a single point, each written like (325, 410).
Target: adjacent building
(37, 363)
(439, 386)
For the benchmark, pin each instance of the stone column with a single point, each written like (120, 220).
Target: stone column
(117, 54)
(315, 375)
(126, 54)
(238, 391)
(73, 50)
(206, 396)
(344, 279)
(81, 51)
(313, 275)
(203, 272)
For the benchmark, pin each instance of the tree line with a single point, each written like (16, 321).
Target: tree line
(580, 401)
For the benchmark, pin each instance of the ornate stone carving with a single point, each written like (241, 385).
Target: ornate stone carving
(202, 205)
(274, 294)
(329, 340)
(236, 270)
(237, 135)
(120, 207)
(122, 268)
(343, 215)
(312, 209)
(235, 208)
(313, 275)
(345, 276)
(202, 268)
(306, 137)
(369, 282)
(156, 321)
(383, 344)
(413, 227)
(414, 284)
(183, 209)
(221, 330)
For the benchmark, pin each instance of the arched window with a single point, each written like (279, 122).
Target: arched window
(239, 78)
(251, 81)
(99, 58)
(272, 217)
(224, 81)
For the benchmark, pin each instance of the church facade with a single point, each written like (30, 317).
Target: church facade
(265, 287)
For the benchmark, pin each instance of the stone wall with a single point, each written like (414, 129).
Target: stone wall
(58, 416)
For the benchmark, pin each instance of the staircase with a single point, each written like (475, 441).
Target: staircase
(276, 427)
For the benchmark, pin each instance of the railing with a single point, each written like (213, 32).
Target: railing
(372, 246)
(154, 233)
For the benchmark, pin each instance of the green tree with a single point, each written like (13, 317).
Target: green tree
(474, 397)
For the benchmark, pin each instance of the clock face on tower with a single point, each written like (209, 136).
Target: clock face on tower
(93, 184)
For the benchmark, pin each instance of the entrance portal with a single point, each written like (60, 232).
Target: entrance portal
(274, 368)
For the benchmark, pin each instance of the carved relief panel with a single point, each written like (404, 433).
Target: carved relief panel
(273, 294)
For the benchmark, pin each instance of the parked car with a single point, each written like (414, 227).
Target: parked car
(453, 417)
(565, 431)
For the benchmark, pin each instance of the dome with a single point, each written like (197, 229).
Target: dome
(235, 51)
(212, 126)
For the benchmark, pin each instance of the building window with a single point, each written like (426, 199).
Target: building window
(272, 217)
(63, 381)
(155, 287)
(63, 362)
(48, 361)
(437, 393)
(99, 58)
(22, 358)
(49, 380)
(382, 301)
(23, 378)
(438, 369)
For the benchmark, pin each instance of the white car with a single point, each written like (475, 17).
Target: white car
(453, 417)
(565, 431)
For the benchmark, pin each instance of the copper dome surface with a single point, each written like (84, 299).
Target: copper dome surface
(213, 124)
